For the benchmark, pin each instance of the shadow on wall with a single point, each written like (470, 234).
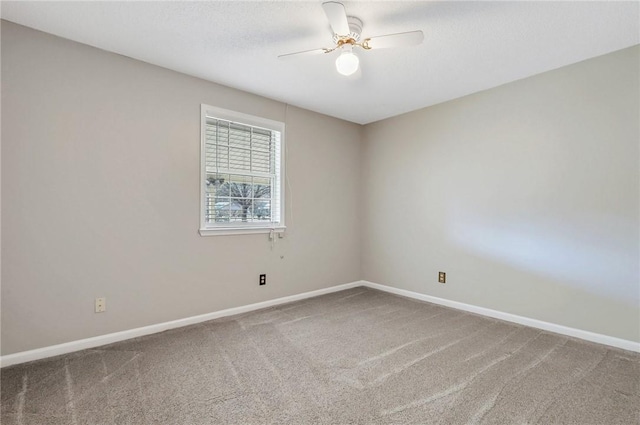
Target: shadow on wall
(596, 254)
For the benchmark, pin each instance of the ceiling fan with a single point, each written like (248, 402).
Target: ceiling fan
(347, 36)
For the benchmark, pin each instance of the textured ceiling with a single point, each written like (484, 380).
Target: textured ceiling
(469, 46)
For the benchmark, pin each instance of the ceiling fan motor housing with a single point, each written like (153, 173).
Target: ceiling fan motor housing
(355, 26)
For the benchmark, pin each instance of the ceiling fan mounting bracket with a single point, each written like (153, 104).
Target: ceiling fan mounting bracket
(341, 41)
(346, 40)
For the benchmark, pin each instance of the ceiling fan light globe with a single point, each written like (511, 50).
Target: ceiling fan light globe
(347, 63)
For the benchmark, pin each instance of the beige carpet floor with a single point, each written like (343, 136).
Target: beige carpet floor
(353, 357)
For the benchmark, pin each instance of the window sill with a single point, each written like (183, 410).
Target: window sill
(225, 231)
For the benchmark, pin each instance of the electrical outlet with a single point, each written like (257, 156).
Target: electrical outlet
(442, 277)
(101, 305)
(263, 279)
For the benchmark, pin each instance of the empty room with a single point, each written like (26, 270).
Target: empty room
(308, 212)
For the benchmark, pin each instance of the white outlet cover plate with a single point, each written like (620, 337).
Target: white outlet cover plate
(101, 305)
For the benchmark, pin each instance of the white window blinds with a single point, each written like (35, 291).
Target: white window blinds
(242, 171)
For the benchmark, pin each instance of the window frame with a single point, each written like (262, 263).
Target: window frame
(239, 228)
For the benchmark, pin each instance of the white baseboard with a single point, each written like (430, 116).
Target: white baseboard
(534, 323)
(82, 344)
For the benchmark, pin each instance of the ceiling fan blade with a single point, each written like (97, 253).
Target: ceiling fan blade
(411, 38)
(304, 53)
(337, 17)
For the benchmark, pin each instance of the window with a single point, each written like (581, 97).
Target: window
(242, 173)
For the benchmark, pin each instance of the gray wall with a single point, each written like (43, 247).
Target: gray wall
(527, 195)
(100, 197)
